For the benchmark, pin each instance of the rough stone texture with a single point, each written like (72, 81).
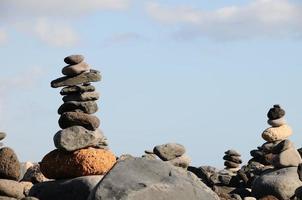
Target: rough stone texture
(69, 119)
(235, 159)
(276, 122)
(26, 187)
(73, 70)
(137, 179)
(86, 96)
(288, 158)
(74, 59)
(2, 135)
(282, 146)
(77, 137)
(69, 189)
(92, 76)
(182, 161)
(231, 164)
(59, 164)
(169, 151)
(77, 89)
(9, 164)
(277, 133)
(232, 152)
(34, 175)
(11, 188)
(281, 183)
(275, 113)
(88, 107)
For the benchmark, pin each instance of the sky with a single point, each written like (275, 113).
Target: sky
(199, 73)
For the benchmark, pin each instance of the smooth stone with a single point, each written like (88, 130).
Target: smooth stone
(9, 164)
(91, 76)
(281, 183)
(288, 158)
(34, 175)
(169, 151)
(89, 107)
(232, 152)
(69, 189)
(77, 89)
(2, 135)
(11, 188)
(235, 159)
(277, 133)
(74, 59)
(73, 70)
(68, 119)
(77, 137)
(60, 164)
(182, 161)
(86, 96)
(282, 146)
(276, 112)
(138, 178)
(231, 164)
(277, 122)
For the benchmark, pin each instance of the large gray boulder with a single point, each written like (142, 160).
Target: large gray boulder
(73, 189)
(138, 178)
(281, 183)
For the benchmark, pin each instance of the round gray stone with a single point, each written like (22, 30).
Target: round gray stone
(74, 59)
(169, 151)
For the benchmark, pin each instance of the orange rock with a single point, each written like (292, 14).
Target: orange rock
(59, 164)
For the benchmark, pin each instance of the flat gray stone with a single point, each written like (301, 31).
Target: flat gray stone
(169, 151)
(73, 70)
(11, 188)
(77, 89)
(89, 107)
(77, 137)
(69, 189)
(68, 119)
(139, 178)
(74, 59)
(86, 96)
(91, 76)
(281, 183)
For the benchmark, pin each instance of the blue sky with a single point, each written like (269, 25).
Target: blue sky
(200, 73)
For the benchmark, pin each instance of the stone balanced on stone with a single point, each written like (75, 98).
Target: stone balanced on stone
(82, 148)
(232, 160)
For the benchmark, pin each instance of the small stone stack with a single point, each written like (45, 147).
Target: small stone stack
(232, 160)
(81, 146)
(172, 153)
(10, 188)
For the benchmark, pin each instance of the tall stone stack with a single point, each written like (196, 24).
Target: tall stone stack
(82, 148)
(232, 160)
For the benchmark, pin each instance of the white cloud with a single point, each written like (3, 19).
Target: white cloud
(259, 18)
(3, 36)
(55, 34)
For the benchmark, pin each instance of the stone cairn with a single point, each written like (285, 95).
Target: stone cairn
(82, 148)
(232, 160)
(172, 153)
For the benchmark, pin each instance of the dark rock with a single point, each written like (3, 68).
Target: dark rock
(86, 96)
(232, 152)
(77, 89)
(11, 188)
(88, 107)
(69, 119)
(231, 164)
(9, 164)
(69, 189)
(30, 198)
(34, 175)
(281, 183)
(73, 70)
(137, 178)
(74, 59)
(235, 159)
(2, 135)
(77, 137)
(275, 113)
(269, 197)
(92, 76)
(169, 151)
(282, 146)
(203, 174)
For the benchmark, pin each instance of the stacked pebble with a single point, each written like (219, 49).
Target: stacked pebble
(81, 147)
(232, 160)
(10, 188)
(172, 153)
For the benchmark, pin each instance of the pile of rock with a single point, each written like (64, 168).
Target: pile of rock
(82, 149)
(232, 160)
(172, 153)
